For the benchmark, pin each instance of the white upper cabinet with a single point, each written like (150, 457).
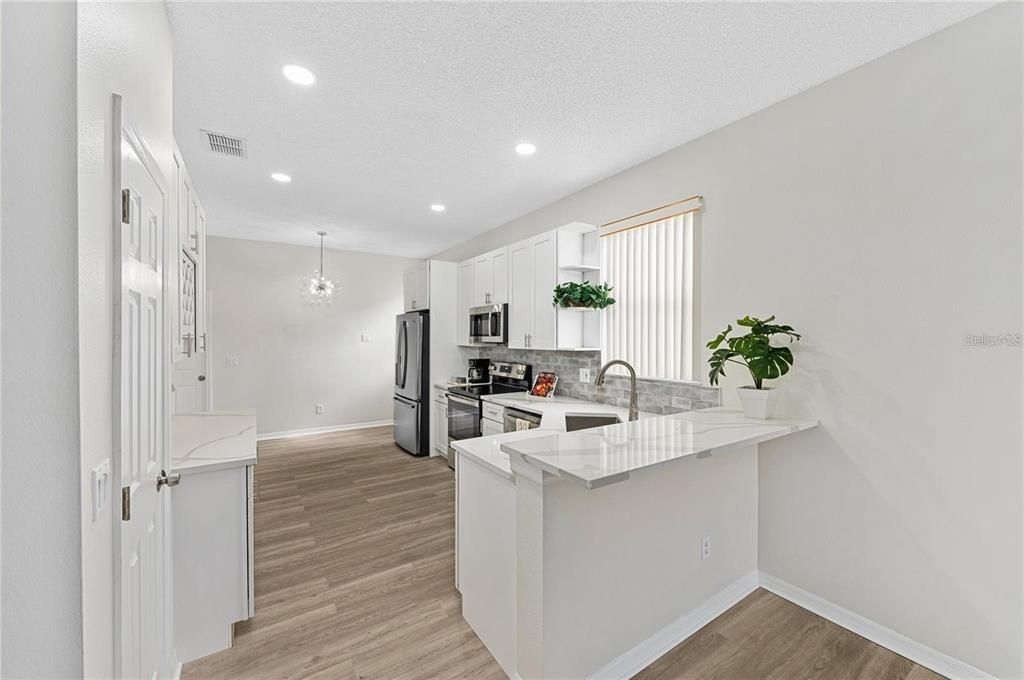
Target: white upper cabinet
(545, 277)
(533, 272)
(520, 298)
(536, 266)
(490, 278)
(190, 322)
(465, 296)
(416, 283)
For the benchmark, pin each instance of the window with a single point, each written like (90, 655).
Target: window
(652, 266)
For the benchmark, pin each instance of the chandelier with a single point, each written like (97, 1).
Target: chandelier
(319, 289)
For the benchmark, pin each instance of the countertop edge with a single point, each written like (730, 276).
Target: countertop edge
(790, 427)
(483, 462)
(196, 467)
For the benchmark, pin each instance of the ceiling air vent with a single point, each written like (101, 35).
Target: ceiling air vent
(229, 146)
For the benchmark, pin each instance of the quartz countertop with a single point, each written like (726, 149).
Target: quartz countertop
(552, 410)
(487, 450)
(203, 442)
(608, 454)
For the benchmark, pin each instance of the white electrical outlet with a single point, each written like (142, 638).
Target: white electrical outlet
(705, 548)
(585, 375)
(232, 362)
(319, 409)
(364, 338)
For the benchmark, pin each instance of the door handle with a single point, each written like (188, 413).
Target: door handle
(201, 378)
(163, 479)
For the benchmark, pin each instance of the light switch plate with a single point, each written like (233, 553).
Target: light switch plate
(232, 362)
(101, 480)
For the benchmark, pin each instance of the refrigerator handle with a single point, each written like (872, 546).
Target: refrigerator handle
(397, 355)
(405, 352)
(398, 358)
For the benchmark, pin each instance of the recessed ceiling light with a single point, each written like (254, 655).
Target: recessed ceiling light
(437, 207)
(281, 177)
(526, 149)
(300, 75)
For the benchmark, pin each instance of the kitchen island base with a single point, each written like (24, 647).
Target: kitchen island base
(601, 572)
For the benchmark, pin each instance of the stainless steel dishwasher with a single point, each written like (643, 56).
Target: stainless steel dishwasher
(516, 420)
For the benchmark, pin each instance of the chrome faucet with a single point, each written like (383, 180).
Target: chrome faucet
(634, 410)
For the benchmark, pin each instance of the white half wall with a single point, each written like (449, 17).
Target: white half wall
(880, 214)
(293, 355)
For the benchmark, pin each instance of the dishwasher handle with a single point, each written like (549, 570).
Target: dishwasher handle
(513, 416)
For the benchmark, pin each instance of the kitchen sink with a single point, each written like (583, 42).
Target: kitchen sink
(584, 421)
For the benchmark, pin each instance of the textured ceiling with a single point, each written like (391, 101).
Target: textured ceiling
(421, 103)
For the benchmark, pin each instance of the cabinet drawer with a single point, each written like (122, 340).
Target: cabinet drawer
(493, 411)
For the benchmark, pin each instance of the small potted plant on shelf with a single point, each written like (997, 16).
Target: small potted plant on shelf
(583, 295)
(755, 352)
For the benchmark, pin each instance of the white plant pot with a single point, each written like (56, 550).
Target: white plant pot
(758, 403)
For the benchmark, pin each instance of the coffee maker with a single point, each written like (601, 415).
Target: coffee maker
(479, 371)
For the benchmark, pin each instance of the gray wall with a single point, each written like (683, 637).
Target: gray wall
(293, 355)
(880, 214)
(41, 621)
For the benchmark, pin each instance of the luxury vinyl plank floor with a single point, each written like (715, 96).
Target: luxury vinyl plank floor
(355, 581)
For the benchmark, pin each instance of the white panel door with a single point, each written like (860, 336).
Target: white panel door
(499, 272)
(142, 586)
(520, 298)
(465, 300)
(545, 276)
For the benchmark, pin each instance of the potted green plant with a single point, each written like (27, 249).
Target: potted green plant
(756, 352)
(583, 295)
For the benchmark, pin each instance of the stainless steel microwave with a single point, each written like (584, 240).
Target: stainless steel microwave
(488, 324)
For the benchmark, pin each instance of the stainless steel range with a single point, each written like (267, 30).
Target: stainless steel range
(464, 400)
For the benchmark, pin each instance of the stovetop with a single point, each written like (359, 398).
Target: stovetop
(477, 391)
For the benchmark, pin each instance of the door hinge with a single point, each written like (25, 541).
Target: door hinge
(126, 206)
(126, 503)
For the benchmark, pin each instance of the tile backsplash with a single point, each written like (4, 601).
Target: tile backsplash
(655, 396)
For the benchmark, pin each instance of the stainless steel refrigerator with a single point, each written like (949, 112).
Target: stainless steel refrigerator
(412, 382)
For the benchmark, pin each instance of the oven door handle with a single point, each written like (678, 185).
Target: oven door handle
(465, 401)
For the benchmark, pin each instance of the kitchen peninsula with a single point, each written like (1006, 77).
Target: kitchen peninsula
(612, 544)
(214, 455)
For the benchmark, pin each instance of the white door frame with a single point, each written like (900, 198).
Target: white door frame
(123, 127)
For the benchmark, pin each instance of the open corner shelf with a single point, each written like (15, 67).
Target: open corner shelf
(580, 268)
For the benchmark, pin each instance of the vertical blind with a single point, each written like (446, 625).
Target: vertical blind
(652, 323)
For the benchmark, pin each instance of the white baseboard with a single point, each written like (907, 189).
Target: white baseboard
(647, 652)
(945, 665)
(286, 434)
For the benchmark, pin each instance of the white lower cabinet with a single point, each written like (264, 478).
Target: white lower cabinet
(213, 558)
(489, 427)
(440, 422)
